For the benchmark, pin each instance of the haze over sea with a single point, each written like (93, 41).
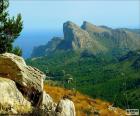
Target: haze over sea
(29, 39)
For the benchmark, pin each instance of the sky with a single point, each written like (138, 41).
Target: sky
(51, 14)
(43, 19)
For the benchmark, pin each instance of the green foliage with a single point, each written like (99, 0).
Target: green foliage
(17, 51)
(10, 28)
(103, 76)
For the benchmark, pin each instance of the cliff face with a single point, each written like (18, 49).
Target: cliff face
(22, 89)
(113, 38)
(77, 39)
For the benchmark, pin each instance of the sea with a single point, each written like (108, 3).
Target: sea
(33, 38)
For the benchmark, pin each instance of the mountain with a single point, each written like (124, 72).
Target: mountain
(114, 38)
(91, 38)
(75, 39)
(46, 49)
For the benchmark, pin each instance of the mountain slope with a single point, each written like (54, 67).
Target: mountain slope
(102, 76)
(84, 105)
(46, 49)
(114, 38)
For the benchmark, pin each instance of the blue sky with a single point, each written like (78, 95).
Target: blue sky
(50, 15)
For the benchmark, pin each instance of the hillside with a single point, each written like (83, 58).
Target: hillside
(114, 38)
(103, 62)
(101, 76)
(84, 105)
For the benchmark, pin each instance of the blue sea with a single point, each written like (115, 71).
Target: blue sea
(29, 39)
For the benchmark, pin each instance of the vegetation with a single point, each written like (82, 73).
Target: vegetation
(103, 76)
(85, 106)
(10, 29)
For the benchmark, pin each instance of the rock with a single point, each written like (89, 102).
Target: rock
(21, 90)
(28, 80)
(65, 108)
(46, 102)
(121, 38)
(77, 39)
(91, 28)
(11, 99)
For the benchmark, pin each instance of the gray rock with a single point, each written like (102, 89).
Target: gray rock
(65, 108)
(21, 90)
(78, 39)
(11, 99)
(29, 80)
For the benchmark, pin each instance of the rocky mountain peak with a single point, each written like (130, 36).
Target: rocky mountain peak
(91, 27)
(91, 38)
(75, 38)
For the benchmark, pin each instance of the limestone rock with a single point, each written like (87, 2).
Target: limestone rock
(21, 90)
(29, 80)
(65, 108)
(76, 38)
(113, 38)
(46, 102)
(11, 99)
(15, 68)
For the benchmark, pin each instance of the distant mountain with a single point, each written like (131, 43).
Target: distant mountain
(46, 49)
(114, 38)
(75, 39)
(91, 38)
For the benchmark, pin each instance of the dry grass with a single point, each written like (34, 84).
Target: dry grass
(85, 106)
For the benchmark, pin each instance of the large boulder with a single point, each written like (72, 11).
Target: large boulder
(11, 99)
(65, 108)
(46, 102)
(29, 80)
(21, 90)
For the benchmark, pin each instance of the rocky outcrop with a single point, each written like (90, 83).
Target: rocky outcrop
(91, 28)
(11, 99)
(65, 108)
(15, 68)
(21, 88)
(29, 80)
(77, 39)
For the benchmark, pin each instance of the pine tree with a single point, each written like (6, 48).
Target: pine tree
(10, 28)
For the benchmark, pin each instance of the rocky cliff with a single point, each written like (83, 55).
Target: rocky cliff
(91, 38)
(21, 90)
(113, 38)
(77, 39)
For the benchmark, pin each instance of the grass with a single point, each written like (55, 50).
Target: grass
(85, 106)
